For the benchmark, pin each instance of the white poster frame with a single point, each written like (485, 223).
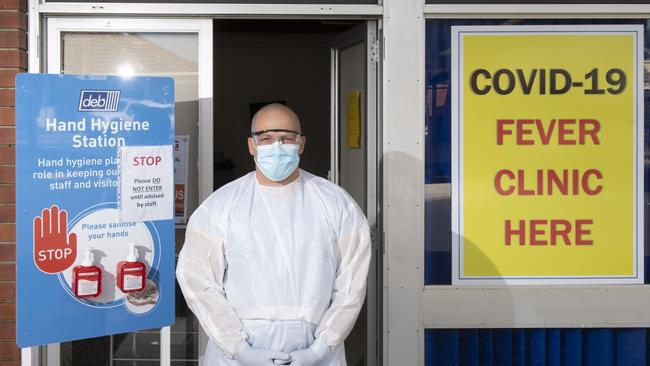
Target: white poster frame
(458, 277)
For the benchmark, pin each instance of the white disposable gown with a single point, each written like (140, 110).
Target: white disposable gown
(277, 267)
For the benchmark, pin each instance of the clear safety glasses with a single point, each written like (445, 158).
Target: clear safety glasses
(268, 137)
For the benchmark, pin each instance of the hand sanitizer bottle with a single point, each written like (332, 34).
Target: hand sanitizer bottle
(131, 274)
(87, 278)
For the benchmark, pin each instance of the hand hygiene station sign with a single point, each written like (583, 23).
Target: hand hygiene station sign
(84, 269)
(547, 151)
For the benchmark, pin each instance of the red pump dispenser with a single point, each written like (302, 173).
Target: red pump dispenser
(131, 274)
(87, 278)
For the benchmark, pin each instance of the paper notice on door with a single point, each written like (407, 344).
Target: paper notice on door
(181, 158)
(354, 119)
(146, 183)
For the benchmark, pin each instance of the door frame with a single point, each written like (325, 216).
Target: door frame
(51, 63)
(43, 14)
(367, 33)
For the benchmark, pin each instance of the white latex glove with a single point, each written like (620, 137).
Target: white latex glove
(311, 356)
(304, 357)
(249, 356)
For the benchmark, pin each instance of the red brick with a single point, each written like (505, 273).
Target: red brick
(11, 19)
(13, 58)
(7, 116)
(7, 97)
(8, 232)
(7, 194)
(7, 174)
(7, 214)
(7, 272)
(13, 5)
(8, 77)
(7, 311)
(7, 331)
(15, 362)
(9, 350)
(7, 291)
(7, 135)
(13, 39)
(7, 155)
(8, 252)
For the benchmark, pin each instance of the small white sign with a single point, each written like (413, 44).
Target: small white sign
(181, 156)
(146, 183)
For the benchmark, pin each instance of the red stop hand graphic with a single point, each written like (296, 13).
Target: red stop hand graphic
(54, 249)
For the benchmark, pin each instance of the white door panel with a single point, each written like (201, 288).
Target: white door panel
(354, 71)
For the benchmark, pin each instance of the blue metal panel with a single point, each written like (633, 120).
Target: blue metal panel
(502, 347)
(469, 343)
(537, 347)
(486, 354)
(544, 347)
(518, 347)
(631, 347)
(553, 347)
(571, 347)
(599, 347)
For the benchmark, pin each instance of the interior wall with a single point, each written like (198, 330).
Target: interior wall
(264, 67)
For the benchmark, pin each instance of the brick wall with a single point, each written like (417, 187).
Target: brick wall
(13, 59)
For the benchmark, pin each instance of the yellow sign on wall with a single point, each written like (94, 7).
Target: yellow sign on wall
(547, 148)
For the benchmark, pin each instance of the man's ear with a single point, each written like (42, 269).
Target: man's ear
(251, 146)
(303, 141)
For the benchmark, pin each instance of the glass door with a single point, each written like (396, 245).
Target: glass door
(177, 48)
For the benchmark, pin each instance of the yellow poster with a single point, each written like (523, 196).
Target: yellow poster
(547, 172)
(354, 120)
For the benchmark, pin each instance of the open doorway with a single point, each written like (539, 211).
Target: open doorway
(262, 61)
(318, 68)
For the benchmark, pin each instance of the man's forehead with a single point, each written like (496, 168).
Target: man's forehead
(272, 119)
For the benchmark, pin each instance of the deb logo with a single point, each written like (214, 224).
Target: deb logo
(99, 100)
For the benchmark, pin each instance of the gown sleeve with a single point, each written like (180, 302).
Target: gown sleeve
(350, 283)
(200, 272)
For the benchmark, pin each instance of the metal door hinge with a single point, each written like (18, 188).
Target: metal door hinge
(374, 51)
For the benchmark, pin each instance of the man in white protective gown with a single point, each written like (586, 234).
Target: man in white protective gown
(274, 264)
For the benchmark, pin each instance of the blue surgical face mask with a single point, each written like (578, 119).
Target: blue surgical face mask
(277, 161)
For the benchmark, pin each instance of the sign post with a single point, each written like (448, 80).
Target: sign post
(547, 178)
(83, 268)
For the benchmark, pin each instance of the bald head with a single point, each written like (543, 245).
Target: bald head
(275, 116)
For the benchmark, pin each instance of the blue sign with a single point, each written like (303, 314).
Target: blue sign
(81, 271)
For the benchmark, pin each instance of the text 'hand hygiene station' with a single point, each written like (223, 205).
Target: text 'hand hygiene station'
(102, 127)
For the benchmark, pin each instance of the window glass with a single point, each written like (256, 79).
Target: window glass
(438, 137)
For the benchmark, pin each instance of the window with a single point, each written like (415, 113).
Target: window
(438, 138)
